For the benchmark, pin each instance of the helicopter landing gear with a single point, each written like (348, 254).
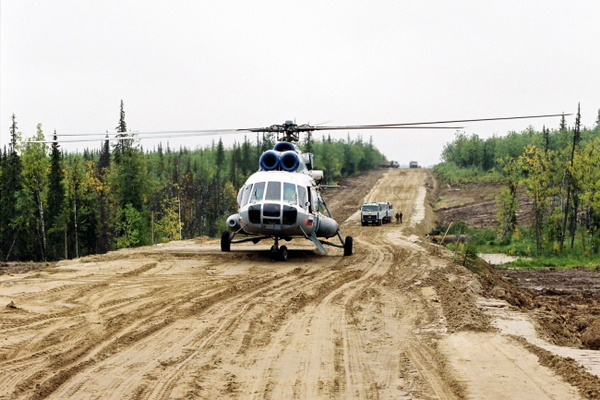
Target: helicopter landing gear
(282, 254)
(279, 253)
(225, 241)
(348, 246)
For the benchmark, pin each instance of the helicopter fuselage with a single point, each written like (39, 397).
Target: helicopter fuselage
(282, 204)
(282, 201)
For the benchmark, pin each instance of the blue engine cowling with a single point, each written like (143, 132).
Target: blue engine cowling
(289, 161)
(269, 160)
(283, 146)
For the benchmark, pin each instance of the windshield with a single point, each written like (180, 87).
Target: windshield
(273, 191)
(246, 191)
(289, 193)
(258, 192)
(370, 208)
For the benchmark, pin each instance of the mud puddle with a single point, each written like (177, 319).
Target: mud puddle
(512, 322)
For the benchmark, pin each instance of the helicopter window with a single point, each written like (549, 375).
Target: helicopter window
(246, 195)
(302, 196)
(257, 192)
(273, 191)
(289, 193)
(239, 196)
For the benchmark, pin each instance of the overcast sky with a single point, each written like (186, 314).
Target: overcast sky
(67, 64)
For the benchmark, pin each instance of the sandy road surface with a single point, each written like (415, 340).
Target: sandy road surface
(398, 319)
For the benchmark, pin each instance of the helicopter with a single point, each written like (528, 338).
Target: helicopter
(283, 200)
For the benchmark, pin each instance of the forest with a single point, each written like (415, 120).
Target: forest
(58, 205)
(557, 168)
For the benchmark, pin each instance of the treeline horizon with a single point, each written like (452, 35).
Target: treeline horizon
(558, 168)
(57, 205)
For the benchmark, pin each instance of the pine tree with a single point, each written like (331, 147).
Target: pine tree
(56, 198)
(123, 145)
(563, 124)
(11, 183)
(104, 229)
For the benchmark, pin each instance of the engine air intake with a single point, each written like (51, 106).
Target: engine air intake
(284, 146)
(269, 160)
(289, 161)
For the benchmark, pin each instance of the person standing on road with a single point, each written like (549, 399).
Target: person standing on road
(398, 217)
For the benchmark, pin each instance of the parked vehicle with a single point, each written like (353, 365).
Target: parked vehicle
(376, 213)
(371, 214)
(388, 211)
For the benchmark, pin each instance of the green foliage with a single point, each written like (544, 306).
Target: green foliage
(452, 174)
(10, 185)
(132, 226)
(556, 168)
(168, 227)
(557, 261)
(466, 254)
(98, 201)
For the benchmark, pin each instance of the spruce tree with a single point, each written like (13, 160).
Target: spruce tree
(10, 183)
(563, 123)
(124, 145)
(56, 198)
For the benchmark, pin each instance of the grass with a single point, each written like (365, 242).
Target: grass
(522, 245)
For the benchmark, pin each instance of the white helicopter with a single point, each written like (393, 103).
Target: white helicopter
(282, 200)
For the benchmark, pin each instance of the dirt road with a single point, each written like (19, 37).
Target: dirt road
(398, 319)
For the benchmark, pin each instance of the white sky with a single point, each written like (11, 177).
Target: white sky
(236, 64)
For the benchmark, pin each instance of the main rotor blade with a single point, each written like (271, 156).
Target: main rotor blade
(88, 137)
(377, 126)
(382, 126)
(193, 131)
(95, 137)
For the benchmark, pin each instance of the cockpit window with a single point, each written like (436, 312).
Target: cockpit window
(247, 190)
(302, 200)
(273, 191)
(240, 195)
(289, 193)
(258, 192)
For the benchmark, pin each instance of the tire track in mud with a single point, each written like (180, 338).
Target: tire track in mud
(284, 298)
(284, 301)
(70, 350)
(290, 284)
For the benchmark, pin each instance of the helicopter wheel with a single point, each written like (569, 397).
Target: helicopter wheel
(282, 253)
(225, 241)
(273, 252)
(348, 246)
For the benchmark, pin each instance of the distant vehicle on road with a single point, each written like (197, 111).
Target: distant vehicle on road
(389, 164)
(413, 164)
(378, 213)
